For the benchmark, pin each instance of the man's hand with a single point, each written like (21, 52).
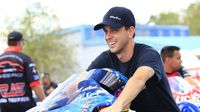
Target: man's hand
(111, 109)
(50, 90)
(115, 107)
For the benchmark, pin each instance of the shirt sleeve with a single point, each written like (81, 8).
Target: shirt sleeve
(54, 85)
(31, 74)
(183, 72)
(151, 58)
(99, 62)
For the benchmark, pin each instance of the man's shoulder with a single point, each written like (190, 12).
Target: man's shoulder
(104, 58)
(139, 48)
(11, 55)
(183, 72)
(54, 84)
(106, 53)
(23, 55)
(142, 46)
(15, 53)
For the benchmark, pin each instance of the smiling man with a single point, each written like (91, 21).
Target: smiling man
(147, 88)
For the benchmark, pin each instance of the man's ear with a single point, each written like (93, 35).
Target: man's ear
(168, 59)
(131, 31)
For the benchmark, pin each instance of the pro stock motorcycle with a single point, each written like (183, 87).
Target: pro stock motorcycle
(92, 91)
(84, 92)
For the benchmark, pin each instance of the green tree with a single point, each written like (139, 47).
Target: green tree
(191, 18)
(47, 47)
(165, 18)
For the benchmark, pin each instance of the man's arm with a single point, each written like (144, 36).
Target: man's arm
(192, 82)
(133, 87)
(72, 90)
(39, 92)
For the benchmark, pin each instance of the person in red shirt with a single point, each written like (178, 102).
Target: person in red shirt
(171, 57)
(18, 77)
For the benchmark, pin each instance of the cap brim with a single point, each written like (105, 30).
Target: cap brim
(106, 23)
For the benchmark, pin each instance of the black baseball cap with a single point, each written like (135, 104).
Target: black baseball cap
(15, 36)
(117, 17)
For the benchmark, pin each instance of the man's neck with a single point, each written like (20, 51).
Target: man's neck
(168, 69)
(13, 49)
(127, 54)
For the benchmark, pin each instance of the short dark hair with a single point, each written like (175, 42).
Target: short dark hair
(12, 43)
(168, 51)
(45, 74)
(127, 27)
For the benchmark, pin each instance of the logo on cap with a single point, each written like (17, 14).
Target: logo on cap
(115, 17)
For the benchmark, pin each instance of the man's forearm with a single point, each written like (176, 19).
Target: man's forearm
(134, 86)
(192, 82)
(129, 93)
(39, 92)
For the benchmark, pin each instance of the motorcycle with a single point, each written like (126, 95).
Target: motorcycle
(84, 92)
(98, 88)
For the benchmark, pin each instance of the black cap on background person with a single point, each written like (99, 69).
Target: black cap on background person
(15, 36)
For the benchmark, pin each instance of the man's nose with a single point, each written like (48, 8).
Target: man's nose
(108, 35)
(181, 61)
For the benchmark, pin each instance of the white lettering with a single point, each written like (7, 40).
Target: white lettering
(115, 17)
(12, 56)
(10, 70)
(192, 96)
(86, 95)
(18, 99)
(3, 100)
(9, 75)
(32, 65)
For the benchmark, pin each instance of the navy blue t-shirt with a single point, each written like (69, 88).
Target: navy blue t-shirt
(157, 97)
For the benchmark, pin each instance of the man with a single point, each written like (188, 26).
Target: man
(147, 88)
(18, 77)
(48, 84)
(172, 63)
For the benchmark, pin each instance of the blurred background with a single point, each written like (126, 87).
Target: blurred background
(60, 38)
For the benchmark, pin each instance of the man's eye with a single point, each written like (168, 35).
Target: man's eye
(115, 29)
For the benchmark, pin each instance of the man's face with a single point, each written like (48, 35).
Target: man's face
(46, 81)
(175, 61)
(116, 38)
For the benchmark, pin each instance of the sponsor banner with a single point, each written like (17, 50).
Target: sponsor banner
(182, 90)
(194, 94)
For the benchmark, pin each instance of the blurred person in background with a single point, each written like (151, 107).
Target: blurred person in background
(48, 84)
(171, 57)
(18, 77)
